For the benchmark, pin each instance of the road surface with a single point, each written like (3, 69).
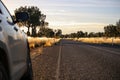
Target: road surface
(70, 60)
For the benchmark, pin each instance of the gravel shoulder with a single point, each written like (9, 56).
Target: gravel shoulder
(45, 64)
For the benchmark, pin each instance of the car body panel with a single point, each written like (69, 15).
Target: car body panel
(14, 42)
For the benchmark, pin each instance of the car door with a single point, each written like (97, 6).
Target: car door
(15, 41)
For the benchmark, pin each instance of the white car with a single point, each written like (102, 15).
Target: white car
(15, 62)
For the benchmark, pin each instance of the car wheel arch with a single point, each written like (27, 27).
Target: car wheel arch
(4, 60)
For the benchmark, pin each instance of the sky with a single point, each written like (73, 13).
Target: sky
(74, 15)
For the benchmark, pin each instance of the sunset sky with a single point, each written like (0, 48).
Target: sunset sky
(74, 15)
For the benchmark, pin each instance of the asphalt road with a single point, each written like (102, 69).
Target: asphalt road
(70, 60)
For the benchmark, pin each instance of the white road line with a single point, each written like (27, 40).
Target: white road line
(58, 64)
(105, 50)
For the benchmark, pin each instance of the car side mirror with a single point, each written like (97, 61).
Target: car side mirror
(21, 16)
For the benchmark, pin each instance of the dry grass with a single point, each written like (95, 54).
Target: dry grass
(41, 41)
(99, 40)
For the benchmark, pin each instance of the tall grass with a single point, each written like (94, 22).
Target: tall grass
(41, 41)
(99, 40)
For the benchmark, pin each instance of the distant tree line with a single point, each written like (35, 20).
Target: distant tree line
(109, 31)
(81, 34)
(47, 32)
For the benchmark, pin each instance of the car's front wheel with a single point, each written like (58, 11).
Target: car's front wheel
(29, 74)
(3, 74)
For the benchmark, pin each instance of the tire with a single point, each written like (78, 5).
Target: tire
(29, 74)
(3, 74)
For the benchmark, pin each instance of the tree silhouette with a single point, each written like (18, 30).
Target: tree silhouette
(118, 27)
(35, 18)
(111, 31)
(80, 34)
(58, 33)
(46, 32)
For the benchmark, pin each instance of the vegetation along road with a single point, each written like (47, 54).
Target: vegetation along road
(70, 60)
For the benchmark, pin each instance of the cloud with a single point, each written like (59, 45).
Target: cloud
(73, 23)
(86, 27)
(82, 3)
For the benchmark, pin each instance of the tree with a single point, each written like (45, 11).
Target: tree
(46, 32)
(58, 33)
(80, 34)
(34, 18)
(99, 34)
(73, 35)
(111, 31)
(91, 34)
(86, 34)
(118, 27)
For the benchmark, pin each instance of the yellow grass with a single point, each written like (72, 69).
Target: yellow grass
(41, 41)
(99, 40)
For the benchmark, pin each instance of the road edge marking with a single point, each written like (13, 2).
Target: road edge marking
(58, 63)
(114, 52)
